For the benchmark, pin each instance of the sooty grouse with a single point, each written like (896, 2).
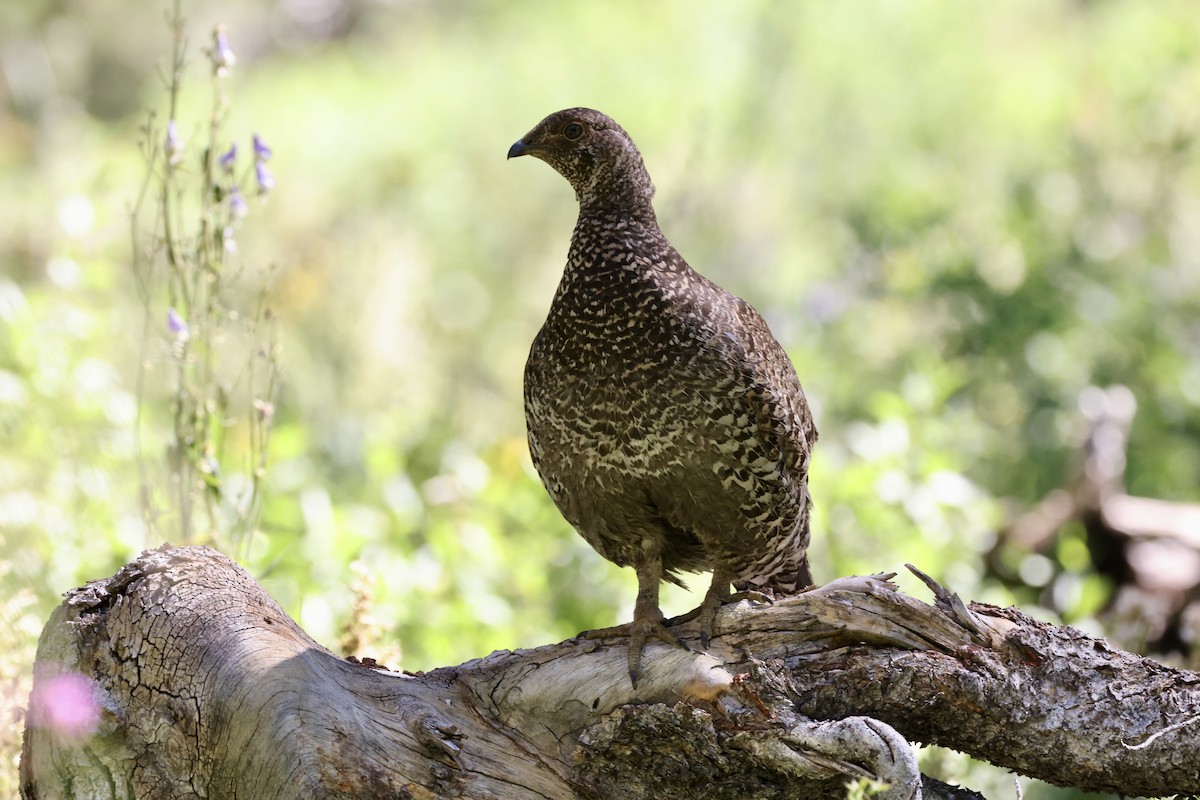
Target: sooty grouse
(664, 419)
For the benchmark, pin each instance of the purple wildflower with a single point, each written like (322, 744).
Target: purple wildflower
(261, 151)
(173, 146)
(238, 207)
(266, 181)
(228, 158)
(177, 325)
(222, 55)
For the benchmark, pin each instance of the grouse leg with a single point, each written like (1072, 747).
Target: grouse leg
(647, 619)
(717, 595)
(647, 616)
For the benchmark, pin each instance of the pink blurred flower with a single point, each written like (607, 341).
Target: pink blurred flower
(66, 704)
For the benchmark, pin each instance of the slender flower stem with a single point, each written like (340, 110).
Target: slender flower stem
(198, 200)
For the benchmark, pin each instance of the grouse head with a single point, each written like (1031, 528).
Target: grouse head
(594, 154)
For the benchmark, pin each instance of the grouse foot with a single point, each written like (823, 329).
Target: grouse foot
(639, 632)
(718, 594)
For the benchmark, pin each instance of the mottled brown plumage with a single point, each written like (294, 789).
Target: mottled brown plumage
(666, 422)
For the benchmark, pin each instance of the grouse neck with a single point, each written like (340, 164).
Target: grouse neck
(622, 227)
(621, 186)
(624, 214)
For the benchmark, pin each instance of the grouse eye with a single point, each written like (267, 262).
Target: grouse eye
(573, 130)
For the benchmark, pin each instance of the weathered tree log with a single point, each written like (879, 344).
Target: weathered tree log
(196, 684)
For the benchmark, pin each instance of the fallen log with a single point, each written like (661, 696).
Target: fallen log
(179, 677)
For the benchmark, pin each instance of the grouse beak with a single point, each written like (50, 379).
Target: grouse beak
(520, 148)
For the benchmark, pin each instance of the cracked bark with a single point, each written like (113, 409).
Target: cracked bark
(205, 688)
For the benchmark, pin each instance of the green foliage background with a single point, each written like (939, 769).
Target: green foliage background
(956, 216)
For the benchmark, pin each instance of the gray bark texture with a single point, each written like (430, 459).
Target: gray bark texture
(203, 688)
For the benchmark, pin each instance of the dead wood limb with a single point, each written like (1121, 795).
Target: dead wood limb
(1148, 548)
(202, 687)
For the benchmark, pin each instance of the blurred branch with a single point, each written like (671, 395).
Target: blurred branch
(258, 709)
(1147, 518)
(1149, 547)
(1098, 479)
